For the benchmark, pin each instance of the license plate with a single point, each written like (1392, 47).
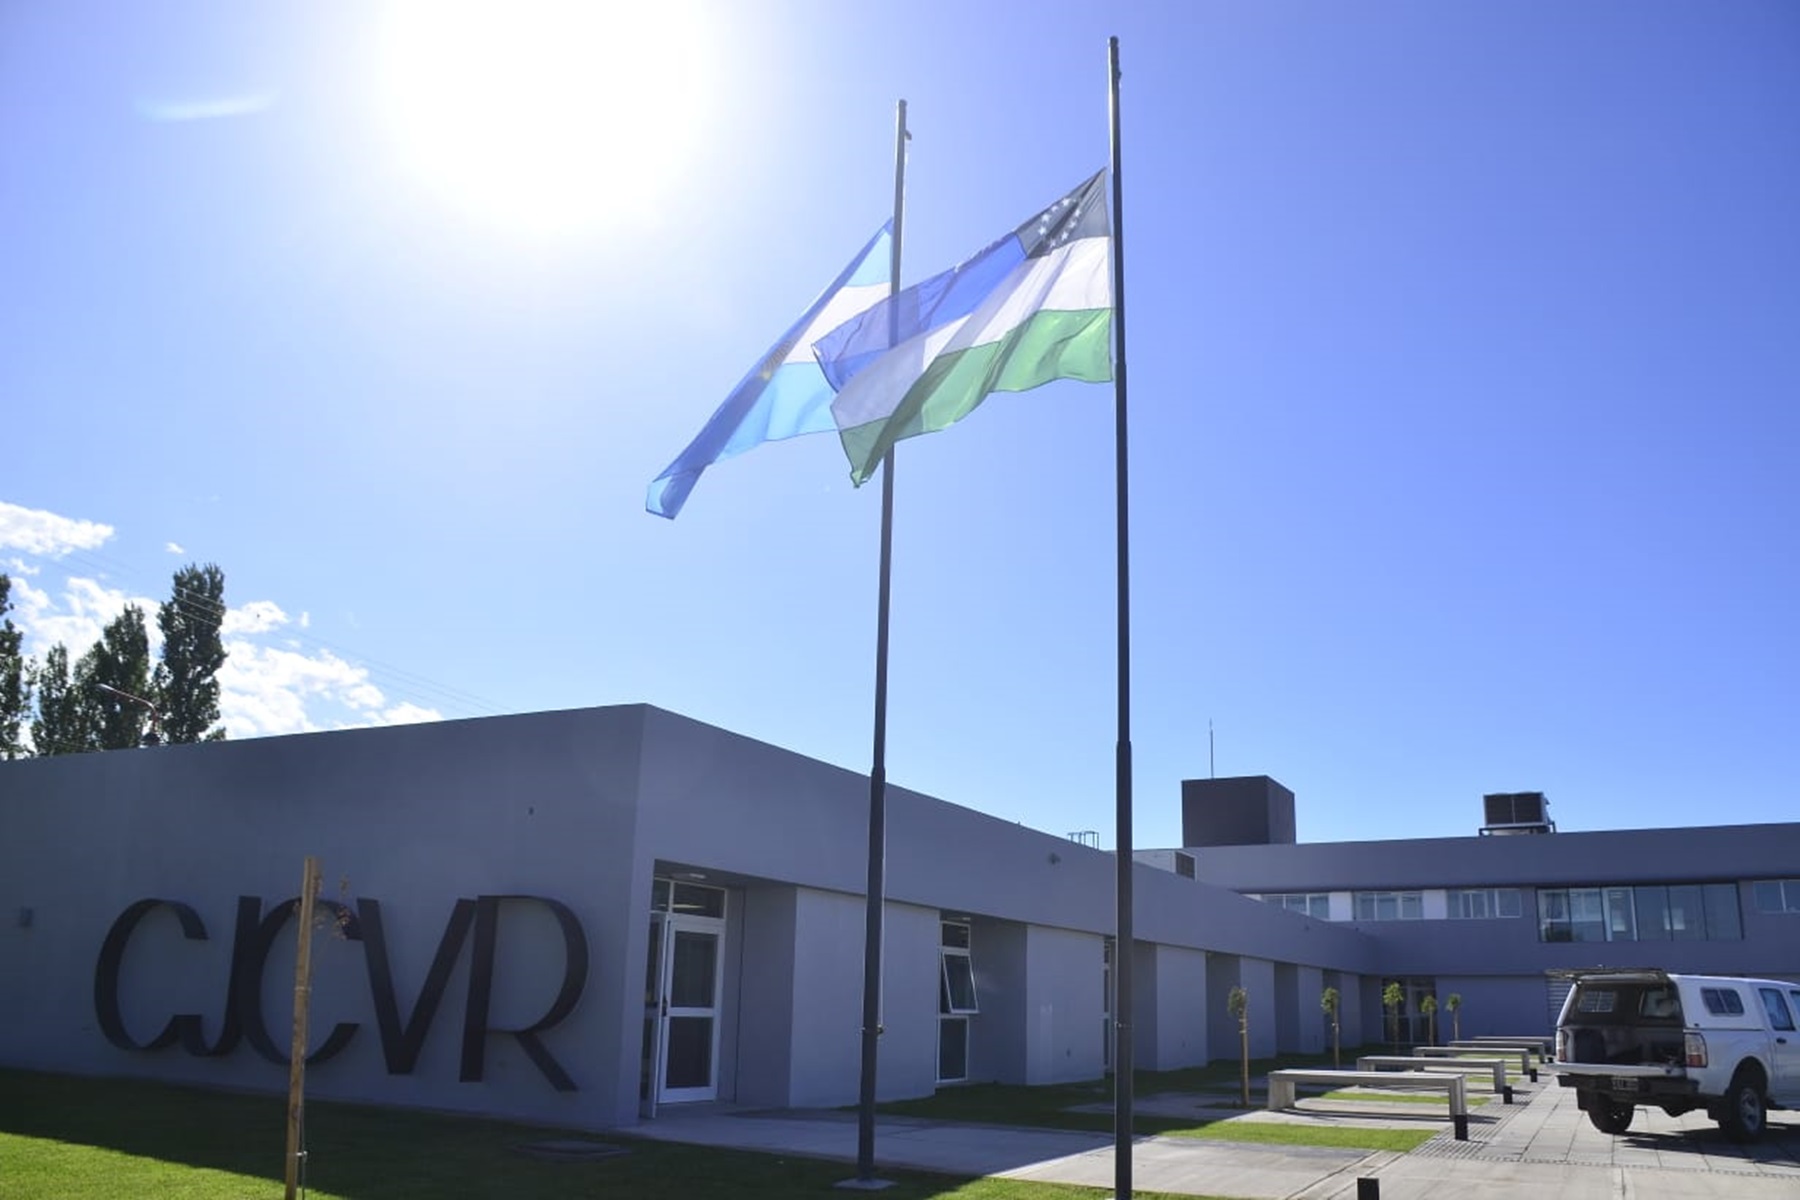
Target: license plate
(1626, 1083)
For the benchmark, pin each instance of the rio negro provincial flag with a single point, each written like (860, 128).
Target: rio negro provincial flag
(1033, 307)
(786, 393)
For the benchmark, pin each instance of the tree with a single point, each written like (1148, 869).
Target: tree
(1237, 1003)
(118, 663)
(1453, 1004)
(62, 722)
(15, 680)
(1392, 997)
(1429, 1007)
(1329, 1000)
(186, 687)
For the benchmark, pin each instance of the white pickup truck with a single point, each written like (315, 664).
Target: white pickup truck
(1680, 1042)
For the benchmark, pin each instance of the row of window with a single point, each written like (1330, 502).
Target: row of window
(1655, 912)
(1464, 904)
(1678, 912)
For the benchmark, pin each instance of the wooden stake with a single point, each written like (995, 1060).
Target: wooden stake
(309, 889)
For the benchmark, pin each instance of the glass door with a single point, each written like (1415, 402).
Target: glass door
(690, 1033)
(684, 981)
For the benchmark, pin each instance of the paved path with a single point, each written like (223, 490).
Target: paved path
(1542, 1148)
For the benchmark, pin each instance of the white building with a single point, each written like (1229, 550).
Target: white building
(579, 916)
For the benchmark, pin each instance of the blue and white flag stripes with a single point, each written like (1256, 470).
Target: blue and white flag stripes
(786, 394)
(1034, 306)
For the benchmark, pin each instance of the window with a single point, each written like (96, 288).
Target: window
(1722, 1002)
(1390, 906)
(1313, 904)
(1478, 904)
(957, 980)
(957, 1000)
(1596, 1000)
(1777, 895)
(1652, 912)
(1776, 1007)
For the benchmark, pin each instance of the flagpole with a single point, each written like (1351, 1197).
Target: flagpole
(877, 885)
(1122, 948)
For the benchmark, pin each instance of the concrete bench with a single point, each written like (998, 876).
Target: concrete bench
(1494, 1068)
(1543, 1047)
(1458, 1049)
(1282, 1083)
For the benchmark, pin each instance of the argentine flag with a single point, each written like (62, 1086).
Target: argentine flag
(786, 394)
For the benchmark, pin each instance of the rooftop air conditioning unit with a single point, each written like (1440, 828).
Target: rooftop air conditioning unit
(1517, 812)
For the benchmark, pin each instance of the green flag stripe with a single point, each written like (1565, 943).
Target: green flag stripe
(1050, 345)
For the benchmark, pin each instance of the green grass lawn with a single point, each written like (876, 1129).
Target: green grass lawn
(1048, 1106)
(99, 1139)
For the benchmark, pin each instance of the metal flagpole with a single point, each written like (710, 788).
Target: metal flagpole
(877, 888)
(1122, 949)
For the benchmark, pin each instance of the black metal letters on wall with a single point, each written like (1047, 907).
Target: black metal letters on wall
(402, 1040)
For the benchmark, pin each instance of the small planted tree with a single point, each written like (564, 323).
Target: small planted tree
(1429, 1007)
(1392, 997)
(1238, 1005)
(1453, 1005)
(1328, 1000)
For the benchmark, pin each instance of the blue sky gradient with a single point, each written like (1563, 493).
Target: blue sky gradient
(1464, 360)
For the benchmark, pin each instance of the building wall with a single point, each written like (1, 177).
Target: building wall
(765, 998)
(1063, 1006)
(415, 818)
(1309, 1017)
(1179, 1036)
(907, 1061)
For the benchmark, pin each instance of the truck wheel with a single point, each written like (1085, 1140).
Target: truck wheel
(1743, 1115)
(1609, 1117)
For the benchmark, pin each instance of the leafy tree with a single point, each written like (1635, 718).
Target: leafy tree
(119, 661)
(1392, 997)
(1429, 1007)
(186, 687)
(1453, 1002)
(1329, 1000)
(63, 721)
(15, 680)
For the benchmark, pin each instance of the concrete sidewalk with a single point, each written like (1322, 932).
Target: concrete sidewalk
(1543, 1147)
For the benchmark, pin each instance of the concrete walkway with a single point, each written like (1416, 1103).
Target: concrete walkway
(1543, 1147)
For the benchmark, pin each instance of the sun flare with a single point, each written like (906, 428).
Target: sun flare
(549, 115)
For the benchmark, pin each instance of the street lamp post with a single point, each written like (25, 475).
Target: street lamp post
(154, 736)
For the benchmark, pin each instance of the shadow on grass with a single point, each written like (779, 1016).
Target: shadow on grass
(358, 1153)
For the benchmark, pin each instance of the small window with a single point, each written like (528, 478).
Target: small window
(1597, 1000)
(956, 972)
(1777, 895)
(1776, 1007)
(693, 900)
(1722, 1002)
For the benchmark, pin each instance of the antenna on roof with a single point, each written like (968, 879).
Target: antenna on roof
(1212, 766)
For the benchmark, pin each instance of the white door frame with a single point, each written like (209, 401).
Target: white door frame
(673, 927)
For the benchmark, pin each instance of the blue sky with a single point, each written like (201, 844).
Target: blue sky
(1464, 356)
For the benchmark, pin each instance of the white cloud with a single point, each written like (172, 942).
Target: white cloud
(258, 616)
(265, 690)
(174, 548)
(76, 617)
(38, 532)
(408, 713)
